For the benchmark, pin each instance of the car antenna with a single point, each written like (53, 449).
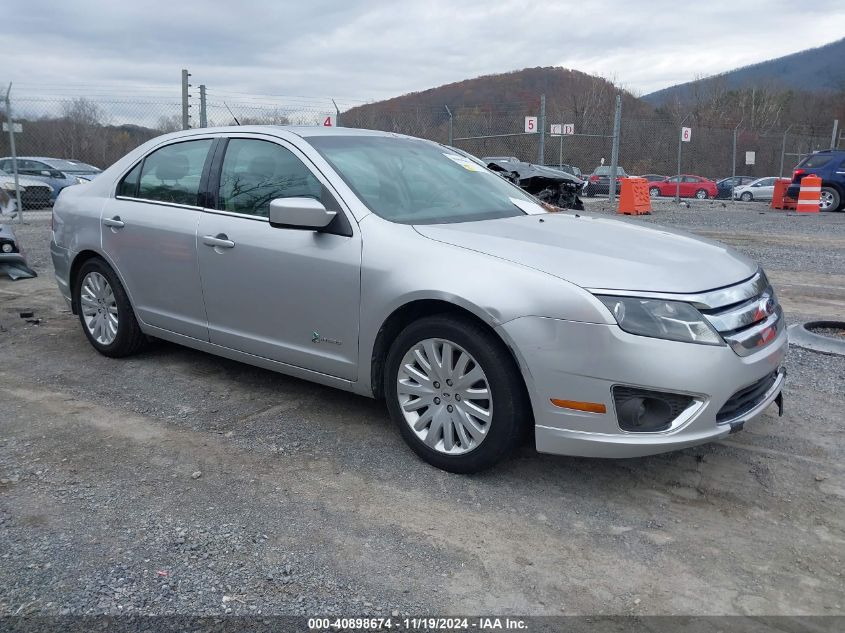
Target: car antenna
(232, 113)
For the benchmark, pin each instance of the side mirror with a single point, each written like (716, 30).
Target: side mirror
(300, 213)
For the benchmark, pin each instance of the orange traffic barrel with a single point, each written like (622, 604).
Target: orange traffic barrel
(809, 195)
(779, 198)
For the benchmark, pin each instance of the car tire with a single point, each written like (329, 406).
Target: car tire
(701, 194)
(408, 381)
(654, 192)
(746, 196)
(105, 313)
(829, 199)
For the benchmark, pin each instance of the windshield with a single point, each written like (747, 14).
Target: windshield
(72, 167)
(411, 181)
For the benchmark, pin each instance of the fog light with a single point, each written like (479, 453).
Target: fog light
(645, 411)
(7, 247)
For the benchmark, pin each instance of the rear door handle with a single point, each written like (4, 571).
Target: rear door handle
(115, 222)
(220, 241)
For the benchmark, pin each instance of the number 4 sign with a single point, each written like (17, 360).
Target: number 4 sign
(327, 122)
(686, 134)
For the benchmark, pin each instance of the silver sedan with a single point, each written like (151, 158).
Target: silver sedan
(398, 268)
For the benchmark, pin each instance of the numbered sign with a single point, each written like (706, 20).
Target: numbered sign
(17, 128)
(556, 129)
(328, 121)
(530, 125)
(568, 128)
(686, 134)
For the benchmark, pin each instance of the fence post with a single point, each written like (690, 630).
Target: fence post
(11, 125)
(203, 111)
(733, 162)
(614, 151)
(678, 174)
(185, 95)
(782, 153)
(449, 112)
(541, 158)
(336, 114)
(833, 139)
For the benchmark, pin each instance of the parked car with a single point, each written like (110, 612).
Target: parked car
(34, 193)
(598, 181)
(56, 172)
(569, 169)
(759, 189)
(395, 268)
(653, 177)
(829, 165)
(725, 185)
(690, 187)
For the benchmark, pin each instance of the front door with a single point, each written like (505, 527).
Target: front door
(149, 233)
(284, 294)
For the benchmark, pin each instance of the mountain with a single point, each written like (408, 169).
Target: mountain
(516, 91)
(811, 70)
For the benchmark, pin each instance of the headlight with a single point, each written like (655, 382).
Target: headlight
(80, 181)
(672, 320)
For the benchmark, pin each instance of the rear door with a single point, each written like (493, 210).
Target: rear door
(149, 233)
(285, 294)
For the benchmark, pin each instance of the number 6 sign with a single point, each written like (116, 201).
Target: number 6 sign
(686, 134)
(530, 125)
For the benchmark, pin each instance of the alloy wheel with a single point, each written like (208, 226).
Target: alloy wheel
(99, 308)
(444, 396)
(826, 201)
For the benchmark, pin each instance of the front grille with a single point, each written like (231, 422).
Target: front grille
(748, 315)
(746, 399)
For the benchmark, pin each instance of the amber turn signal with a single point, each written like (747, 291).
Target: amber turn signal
(589, 407)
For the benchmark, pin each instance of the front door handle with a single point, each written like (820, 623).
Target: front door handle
(115, 222)
(219, 241)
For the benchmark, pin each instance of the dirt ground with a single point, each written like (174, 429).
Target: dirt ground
(178, 482)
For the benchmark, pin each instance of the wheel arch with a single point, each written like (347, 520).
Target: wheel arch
(76, 264)
(412, 311)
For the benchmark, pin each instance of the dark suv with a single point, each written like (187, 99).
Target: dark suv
(829, 165)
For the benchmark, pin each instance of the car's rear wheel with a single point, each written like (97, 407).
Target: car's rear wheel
(701, 194)
(746, 196)
(654, 192)
(105, 312)
(455, 392)
(829, 199)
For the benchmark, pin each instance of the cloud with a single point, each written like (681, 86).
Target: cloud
(376, 49)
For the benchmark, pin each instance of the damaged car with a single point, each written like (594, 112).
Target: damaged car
(552, 186)
(12, 259)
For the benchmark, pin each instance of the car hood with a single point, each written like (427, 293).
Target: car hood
(24, 181)
(601, 253)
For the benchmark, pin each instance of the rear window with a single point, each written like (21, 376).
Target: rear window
(815, 161)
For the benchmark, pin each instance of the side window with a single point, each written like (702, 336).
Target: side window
(255, 172)
(173, 173)
(129, 185)
(674, 179)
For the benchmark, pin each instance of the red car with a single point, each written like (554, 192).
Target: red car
(691, 187)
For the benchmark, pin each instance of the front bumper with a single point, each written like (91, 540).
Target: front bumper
(569, 360)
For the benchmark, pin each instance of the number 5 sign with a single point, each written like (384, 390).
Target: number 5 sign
(530, 125)
(686, 134)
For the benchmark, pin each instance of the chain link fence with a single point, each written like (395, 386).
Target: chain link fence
(99, 130)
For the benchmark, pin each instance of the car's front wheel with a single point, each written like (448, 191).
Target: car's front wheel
(746, 196)
(829, 199)
(456, 393)
(105, 312)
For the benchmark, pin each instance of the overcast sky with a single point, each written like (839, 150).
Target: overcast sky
(371, 50)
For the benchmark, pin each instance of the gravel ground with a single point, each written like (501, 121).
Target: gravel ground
(178, 482)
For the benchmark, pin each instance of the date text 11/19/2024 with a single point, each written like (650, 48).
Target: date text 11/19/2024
(417, 623)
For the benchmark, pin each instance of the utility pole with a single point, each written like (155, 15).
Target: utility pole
(541, 158)
(782, 153)
(449, 112)
(833, 138)
(733, 168)
(336, 114)
(203, 111)
(614, 151)
(678, 175)
(11, 125)
(185, 105)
